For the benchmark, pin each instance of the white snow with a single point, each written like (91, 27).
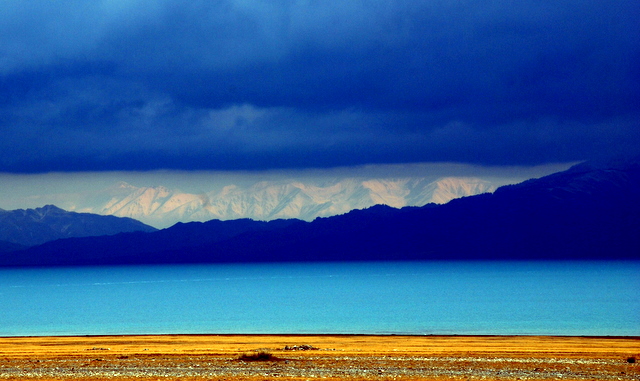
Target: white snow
(266, 200)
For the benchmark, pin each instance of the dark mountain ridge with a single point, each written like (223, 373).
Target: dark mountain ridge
(30, 227)
(587, 212)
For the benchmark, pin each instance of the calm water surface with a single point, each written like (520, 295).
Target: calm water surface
(559, 298)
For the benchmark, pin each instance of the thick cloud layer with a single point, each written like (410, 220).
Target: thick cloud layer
(231, 84)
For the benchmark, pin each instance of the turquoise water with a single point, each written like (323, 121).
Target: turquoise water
(554, 298)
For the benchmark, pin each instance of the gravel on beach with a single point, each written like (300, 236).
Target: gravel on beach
(318, 367)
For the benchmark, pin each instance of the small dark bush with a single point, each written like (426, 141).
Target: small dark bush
(631, 359)
(258, 356)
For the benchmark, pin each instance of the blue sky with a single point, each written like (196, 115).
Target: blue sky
(127, 85)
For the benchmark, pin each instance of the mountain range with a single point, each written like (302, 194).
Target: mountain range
(591, 211)
(162, 207)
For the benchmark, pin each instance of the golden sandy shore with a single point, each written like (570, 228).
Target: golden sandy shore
(309, 357)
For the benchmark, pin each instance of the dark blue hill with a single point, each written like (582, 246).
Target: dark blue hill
(30, 227)
(138, 247)
(6, 247)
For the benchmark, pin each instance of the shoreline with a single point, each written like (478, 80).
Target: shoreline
(349, 342)
(321, 335)
(332, 357)
(329, 356)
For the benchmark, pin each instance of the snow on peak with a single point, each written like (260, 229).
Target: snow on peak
(161, 207)
(448, 188)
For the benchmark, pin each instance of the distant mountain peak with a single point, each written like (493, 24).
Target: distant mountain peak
(123, 185)
(161, 206)
(48, 208)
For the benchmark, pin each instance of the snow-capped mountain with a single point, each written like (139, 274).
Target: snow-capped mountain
(267, 200)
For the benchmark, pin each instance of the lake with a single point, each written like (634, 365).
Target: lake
(502, 298)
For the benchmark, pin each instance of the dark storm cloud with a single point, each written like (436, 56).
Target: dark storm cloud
(267, 84)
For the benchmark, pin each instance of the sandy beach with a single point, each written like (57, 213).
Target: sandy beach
(329, 357)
